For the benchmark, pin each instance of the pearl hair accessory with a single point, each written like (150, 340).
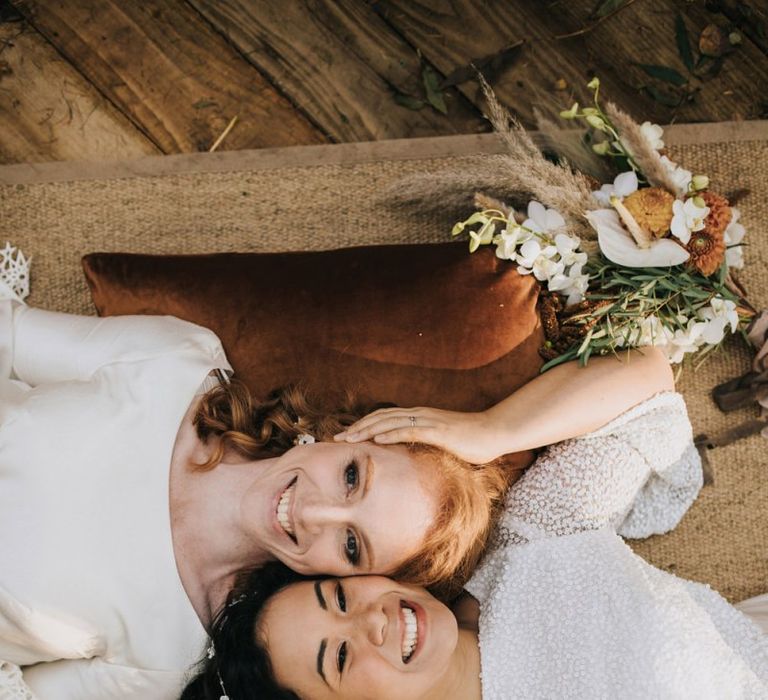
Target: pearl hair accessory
(211, 652)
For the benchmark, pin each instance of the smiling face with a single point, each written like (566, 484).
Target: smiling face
(360, 637)
(339, 509)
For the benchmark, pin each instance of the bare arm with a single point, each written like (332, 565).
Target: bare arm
(565, 402)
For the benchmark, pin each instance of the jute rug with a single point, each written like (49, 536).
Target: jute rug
(322, 197)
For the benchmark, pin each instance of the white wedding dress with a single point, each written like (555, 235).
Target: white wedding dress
(91, 604)
(567, 610)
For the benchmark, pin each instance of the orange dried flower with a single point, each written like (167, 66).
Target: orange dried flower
(651, 208)
(707, 249)
(719, 212)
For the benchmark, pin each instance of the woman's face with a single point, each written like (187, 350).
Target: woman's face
(341, 509)
(359, 637)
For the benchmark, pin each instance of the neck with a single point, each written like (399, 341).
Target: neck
(211, 543)
(462, 679)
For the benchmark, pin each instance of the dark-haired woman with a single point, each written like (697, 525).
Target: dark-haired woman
(559, 608)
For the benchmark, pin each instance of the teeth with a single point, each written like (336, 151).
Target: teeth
(411, 635)
(282, 509)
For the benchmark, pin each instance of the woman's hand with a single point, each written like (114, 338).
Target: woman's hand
(471, 436)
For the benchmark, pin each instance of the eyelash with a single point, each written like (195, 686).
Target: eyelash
(341, 601)
(341, 657)
(341, 598)
(351, 546)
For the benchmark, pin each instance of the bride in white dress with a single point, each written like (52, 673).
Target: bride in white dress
(116, 548)
(559, 608)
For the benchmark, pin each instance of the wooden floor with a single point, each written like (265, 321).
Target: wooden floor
(108, 79)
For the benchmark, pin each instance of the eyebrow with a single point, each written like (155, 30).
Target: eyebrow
(324, 642)
(321, 659)
(320, 597)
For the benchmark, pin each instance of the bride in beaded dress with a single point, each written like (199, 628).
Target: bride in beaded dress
(559, 608)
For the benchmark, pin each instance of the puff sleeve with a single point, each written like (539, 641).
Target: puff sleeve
(41, 347)
(638, 474)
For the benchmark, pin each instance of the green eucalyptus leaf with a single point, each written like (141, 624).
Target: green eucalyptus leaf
(683, 42)
(606, 7)
(434, 93)
(665, 73)
(662, 97)
(410, 102)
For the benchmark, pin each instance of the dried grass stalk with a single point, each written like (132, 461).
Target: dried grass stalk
(554, 184)
(569, 144)
(647, 158)
(483, 202)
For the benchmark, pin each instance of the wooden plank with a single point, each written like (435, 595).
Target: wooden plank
(453, 32)
(735, 92)
(178, 80)
(340, 63)
(343, 154)
(49, 112)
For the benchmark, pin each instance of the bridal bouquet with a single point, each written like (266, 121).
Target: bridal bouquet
(645, 259)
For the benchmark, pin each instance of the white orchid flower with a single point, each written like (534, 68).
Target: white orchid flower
(649, 331)
(623, 186)
(573, 285)
(566, 245)
(652, 134)
(483, 236)
(508, 241)
(541, 219)
(533, 258)
(720, 314)
(734, 234)
(680, 176)
(684, 341)
(687, 217)
(618, 245)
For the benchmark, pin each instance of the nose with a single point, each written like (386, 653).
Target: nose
(374, 624)
(313, 517)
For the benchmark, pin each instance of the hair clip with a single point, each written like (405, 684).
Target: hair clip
(304, 439)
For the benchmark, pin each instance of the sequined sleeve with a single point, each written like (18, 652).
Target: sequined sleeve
(637, 474)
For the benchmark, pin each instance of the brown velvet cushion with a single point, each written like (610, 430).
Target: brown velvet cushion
(415, 325)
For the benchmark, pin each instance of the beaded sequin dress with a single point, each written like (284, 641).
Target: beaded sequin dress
(567, 610)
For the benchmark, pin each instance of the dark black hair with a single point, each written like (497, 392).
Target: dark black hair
(239, 660)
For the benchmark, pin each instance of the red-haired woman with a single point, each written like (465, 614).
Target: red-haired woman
(133, 495)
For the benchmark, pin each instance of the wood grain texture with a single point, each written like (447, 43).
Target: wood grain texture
(49, 112)
(340, 63)
(452, 32)
(173, 76)
(735, 92)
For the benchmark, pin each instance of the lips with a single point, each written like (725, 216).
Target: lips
(284, 510)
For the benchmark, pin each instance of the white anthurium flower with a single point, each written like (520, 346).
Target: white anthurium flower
(533, 258)
(623, 186)
(567, 247)
(680, 176)
(508, 241)
(720, 314)
(483, 236)
(734, 234)
(687, 217)
(541, 219)
(618, 245)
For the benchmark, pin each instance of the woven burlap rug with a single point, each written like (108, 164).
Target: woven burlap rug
(319, 197)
